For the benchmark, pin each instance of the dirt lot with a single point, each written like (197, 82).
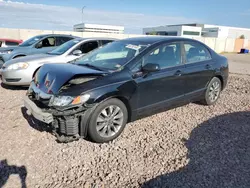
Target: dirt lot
(191, 146)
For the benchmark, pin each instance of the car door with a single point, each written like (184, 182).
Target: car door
(199, 68)
(158, 89)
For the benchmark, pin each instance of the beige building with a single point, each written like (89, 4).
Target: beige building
(98, 28)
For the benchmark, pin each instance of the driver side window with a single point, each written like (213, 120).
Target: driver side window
(166, 55)
(47, 42)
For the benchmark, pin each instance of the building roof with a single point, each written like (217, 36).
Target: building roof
(98, 26)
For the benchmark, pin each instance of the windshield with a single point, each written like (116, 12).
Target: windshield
(31, 41)
(63, 48)
(113, 55)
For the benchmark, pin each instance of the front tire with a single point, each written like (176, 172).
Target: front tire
(213, 92)
(107, 121)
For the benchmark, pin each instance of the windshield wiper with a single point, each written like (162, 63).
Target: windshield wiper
(91, 66)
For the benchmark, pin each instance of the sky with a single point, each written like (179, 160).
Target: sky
(133, 14)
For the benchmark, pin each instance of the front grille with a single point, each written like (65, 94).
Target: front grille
(13, 79)
(40, 104)
(68, 126)
(38, 97)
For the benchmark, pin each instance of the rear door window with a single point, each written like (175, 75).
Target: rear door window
(196, 52)
(88, 46)
(103, 42)
(62, 40)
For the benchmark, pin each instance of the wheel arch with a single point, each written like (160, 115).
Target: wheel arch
(36, 71)
(18, 55)
(221, 79)
(86, 118)
(123, 99)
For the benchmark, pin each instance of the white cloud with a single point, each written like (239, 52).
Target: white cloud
(38, 16)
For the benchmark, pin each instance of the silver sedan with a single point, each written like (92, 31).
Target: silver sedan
(20, 71)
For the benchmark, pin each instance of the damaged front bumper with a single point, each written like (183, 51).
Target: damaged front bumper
(68, 124)
(32, 109)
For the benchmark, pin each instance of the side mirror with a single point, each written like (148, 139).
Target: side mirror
(151, 67)
(77, 52)
(39, 45)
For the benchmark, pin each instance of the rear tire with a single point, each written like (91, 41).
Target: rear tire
(107, 121)
(213, 92)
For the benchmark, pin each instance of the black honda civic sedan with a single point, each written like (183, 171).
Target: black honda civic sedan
(97, 95)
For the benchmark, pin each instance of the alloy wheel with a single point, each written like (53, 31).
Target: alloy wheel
(214, 91)
(109, 121)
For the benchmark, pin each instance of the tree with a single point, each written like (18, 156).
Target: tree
(242, 37)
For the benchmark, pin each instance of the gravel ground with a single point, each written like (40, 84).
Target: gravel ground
(191, 146)
(239, 63)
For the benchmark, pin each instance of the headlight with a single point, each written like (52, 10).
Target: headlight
(62, 101)
(81, 99)
(67, 100)
(17, 66)
(6, 52)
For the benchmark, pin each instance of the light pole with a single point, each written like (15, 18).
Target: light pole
(82, 12)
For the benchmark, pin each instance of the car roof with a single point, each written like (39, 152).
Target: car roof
(80, 39)
(53, 35)
(11, 40)
(155, 39)
(95, 38)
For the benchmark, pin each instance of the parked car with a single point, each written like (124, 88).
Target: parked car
(9, 42)
(123, 81)
(35, 45)
(21, 71)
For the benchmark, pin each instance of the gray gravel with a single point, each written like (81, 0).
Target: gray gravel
(191, 146)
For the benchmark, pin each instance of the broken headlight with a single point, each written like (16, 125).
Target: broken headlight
(67, 100)
(61, 101)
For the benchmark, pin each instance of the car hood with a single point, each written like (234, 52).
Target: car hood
(51, 77)
(31, 58)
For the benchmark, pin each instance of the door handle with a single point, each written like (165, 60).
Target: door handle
(178, 73)
(208, 66)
